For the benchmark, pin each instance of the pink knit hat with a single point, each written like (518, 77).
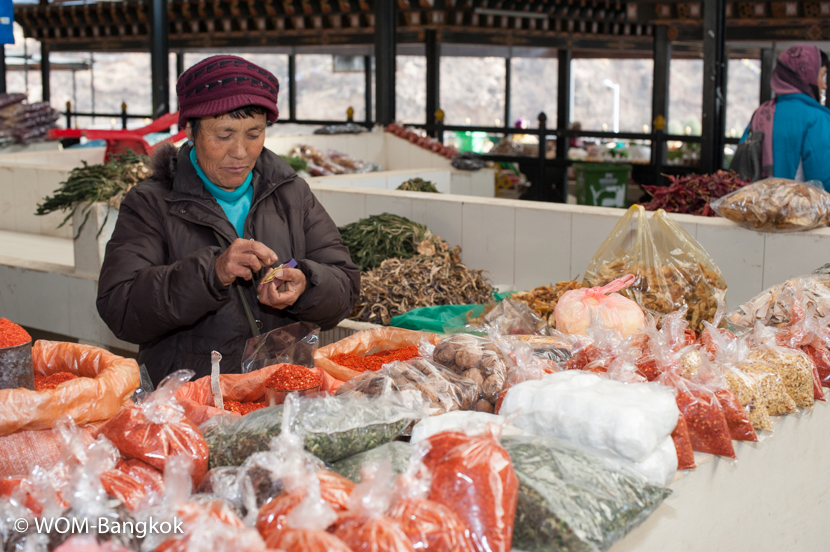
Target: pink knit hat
(220, 84)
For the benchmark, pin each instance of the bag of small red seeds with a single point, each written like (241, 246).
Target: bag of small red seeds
(157, 429)
(365, 527)
(474, 477)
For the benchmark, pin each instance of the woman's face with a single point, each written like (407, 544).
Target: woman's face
(227, 149)
(822, 80)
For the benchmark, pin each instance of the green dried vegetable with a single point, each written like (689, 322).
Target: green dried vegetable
(377, 238)
(296, 163)
(418, 185)
(573, 500)
(333, 428)
(397, 452)
(93, 183)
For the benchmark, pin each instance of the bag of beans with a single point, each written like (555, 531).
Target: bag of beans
(369, 350)
(157, 429)
(474, 477)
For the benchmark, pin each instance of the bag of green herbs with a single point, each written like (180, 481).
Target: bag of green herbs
(397, 452)
(572, 499)
(332, 428)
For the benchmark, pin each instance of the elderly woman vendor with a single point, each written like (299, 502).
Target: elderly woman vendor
(183, 271)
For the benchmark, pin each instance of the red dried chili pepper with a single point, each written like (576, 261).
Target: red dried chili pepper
(243, 407)
(683, 445)
(46, 383)
(12, 335)
(691, 194)
(292, 378)
(375, 361)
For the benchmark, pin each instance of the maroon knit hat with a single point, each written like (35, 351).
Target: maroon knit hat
(220, 84)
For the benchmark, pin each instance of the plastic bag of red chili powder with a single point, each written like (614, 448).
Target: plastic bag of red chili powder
(157, 429)
(683, 445)
(474, 477)
(367, 342)
(131, 480)
(429, 525)
(365, 527)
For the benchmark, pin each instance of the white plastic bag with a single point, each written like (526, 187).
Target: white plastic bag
(470, 423)
(631, 420)
(577, 308)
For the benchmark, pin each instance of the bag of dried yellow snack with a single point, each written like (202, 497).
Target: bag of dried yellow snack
(672, 269)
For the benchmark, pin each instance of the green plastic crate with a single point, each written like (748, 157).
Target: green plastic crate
(602, 184)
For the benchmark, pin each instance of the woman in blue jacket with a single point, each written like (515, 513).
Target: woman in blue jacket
(795, 120)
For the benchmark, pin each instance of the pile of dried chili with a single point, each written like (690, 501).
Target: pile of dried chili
(243, 408)
(12, 335)
(46, 383)
(375, 361)
(293, 378)
(691, 194)
(740, 428)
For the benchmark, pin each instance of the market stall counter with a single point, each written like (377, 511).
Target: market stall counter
(773, 498)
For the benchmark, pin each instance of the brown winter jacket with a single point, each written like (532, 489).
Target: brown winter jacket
(158, 286)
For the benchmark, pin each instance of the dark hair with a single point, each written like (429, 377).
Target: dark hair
(245, 112)
(824, 60)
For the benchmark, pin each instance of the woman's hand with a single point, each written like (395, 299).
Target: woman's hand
(242, 259)
(284, 290)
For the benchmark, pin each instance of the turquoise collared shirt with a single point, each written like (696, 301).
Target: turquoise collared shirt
(236, 204)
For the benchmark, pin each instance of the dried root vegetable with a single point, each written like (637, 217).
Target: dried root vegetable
(377, 238)
(399, 285)
(691, 194)
(776, 205)
(543, 299)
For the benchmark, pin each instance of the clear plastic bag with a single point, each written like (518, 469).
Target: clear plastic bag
(773, 306)
(571, 498)
(396, 452)
(516, 318)
(629, 419)
(776, 205)
(683, 445)
(333, 427)
(443, 389)
(291, 344)
(130, 481)
(367, 342)
(474, 358)
(808, 336)
(429, 525)
(157, 429)
(794, 367)
(474, 477)
(672, 269)
(366, 527)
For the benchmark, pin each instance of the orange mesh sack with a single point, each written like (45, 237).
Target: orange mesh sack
(196, 397)
(22, 450)
(367, 342)
(105, 382)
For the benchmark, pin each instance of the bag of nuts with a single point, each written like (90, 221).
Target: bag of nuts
(477, 359)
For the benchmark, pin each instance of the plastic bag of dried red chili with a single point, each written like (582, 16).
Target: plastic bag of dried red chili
(157, 429)
(429, 525)
(474, 477)
(366, 527)
(683, 445)
(708, 430)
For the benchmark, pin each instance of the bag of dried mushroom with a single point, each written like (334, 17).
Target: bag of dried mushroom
(443, 389)
(776, 205)
(672, 269)
(474, 358)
